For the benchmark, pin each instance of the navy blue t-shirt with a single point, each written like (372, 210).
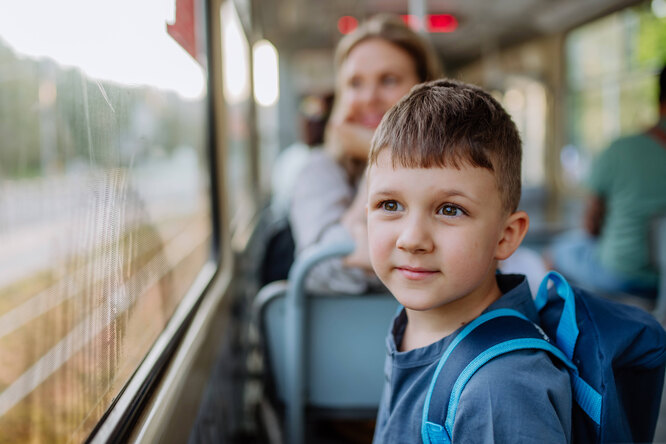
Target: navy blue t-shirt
(519, 397)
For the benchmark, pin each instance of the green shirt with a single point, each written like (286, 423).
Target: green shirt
(631, 178)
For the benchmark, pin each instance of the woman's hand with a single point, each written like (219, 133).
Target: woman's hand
(348, 139)
(344, 137)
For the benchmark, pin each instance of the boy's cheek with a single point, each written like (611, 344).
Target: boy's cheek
(377, 245)
(372, 241)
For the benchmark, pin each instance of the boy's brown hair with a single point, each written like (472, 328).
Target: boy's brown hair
(446, 123)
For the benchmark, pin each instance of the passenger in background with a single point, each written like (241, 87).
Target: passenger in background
(377, 64)
(314, 112)
(627, 188)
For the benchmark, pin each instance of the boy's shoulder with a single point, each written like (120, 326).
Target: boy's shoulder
(521, 388)
(512, 376)
(525, 391)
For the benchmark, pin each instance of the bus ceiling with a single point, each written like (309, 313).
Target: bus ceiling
(479, 26)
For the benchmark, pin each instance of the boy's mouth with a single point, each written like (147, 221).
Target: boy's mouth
(416, 273)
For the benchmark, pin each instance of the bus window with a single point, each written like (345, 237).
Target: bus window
(525, 99)
(241, 139)
(265, 78)
(105, 203)
(521, 78)
(610, 68)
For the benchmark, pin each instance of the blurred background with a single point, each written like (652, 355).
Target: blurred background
(140, 141)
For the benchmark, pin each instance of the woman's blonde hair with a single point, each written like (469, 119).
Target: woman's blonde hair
(392, 29)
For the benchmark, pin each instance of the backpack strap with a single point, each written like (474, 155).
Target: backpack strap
(488, 336)
(567, 330)
(566, 337)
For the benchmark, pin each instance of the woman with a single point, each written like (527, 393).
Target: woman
(376, 65)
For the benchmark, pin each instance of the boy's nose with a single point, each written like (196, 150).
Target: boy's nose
(415, 237)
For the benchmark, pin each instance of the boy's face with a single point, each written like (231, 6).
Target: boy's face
(433, 232)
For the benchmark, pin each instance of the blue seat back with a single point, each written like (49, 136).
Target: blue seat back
(326, 350)
(344, 347)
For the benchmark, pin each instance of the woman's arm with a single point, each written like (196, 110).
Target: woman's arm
(322, 196)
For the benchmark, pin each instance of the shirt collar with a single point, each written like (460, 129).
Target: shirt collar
(515, 295)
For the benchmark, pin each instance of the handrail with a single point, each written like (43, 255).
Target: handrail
(295, 330)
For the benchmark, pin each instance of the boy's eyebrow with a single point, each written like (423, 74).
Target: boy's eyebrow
(455, 192)
(448, 192)
(383, 192)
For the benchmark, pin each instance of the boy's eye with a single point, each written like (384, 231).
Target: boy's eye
(390, 205)
(450, 210)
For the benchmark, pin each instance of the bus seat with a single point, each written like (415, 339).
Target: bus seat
(659, 256)
(278, 254)
(325, 352)
(268, 252)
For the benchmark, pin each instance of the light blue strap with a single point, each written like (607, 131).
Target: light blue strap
(567, 329)
(493, 352)
(585, 396)
(566, 336)
(463, 333)
(436, 434)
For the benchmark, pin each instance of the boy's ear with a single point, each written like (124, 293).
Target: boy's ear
(515, 228)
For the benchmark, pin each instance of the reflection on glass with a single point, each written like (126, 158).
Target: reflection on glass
(104, 204)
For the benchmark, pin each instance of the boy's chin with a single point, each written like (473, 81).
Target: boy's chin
(426, 304)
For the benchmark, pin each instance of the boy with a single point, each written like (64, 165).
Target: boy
(443, 190)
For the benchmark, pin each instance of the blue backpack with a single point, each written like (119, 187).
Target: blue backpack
(615, 353)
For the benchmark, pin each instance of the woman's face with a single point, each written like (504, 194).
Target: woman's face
(374, 76)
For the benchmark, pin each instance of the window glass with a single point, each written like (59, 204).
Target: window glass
(236, 53)
(105, 200)
(525, 100)
(610, 69)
